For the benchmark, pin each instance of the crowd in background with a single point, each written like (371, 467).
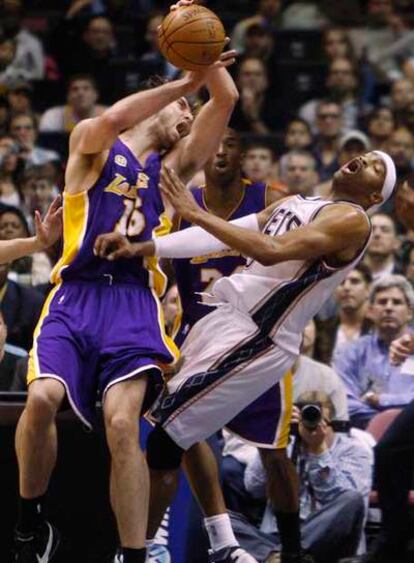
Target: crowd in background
(319, 83)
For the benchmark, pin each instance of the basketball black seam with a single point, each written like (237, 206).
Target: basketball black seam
(197, 42)
(188, 23)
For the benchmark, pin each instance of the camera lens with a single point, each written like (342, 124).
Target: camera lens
(311, 416)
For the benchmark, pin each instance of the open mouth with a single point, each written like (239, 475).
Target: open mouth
(183, 128)
(220, 164)
(353, 166)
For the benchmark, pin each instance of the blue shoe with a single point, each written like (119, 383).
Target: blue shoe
(235, 554)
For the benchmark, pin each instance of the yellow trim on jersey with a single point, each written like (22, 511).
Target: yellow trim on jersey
(178, 319)
(75, 219)
(168, 341)
(286, 397)
(33, 369)
(158, 280)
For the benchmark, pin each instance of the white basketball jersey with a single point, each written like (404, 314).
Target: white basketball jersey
(283, 298)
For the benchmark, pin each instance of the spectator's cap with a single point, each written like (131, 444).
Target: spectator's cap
(20, 86)
(355, 135)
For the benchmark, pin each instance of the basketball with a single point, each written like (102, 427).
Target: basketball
(191, 37)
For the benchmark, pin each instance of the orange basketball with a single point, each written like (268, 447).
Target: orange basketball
(191, 37)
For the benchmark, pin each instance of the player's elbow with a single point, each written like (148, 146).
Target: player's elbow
(228, 98)
(112, 122)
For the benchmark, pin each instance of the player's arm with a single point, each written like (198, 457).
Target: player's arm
(194, 150)
(48, 232)
(338, 231)
(95, 135)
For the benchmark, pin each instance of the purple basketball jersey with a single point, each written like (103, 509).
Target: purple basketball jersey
(196, 275)
(125, 198)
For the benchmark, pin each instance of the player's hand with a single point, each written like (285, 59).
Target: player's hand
(401, 348)
(196, 79)
(181, 3)
(114, 246)
(49, 230)
(178, 195)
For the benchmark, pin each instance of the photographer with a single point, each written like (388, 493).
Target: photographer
(335, 481)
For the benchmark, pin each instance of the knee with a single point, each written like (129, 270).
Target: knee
(162, 452)
(121, 432)
(352, 503)
(42, 404)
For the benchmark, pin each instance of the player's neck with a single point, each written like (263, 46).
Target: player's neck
(222, 199)
(141, 141)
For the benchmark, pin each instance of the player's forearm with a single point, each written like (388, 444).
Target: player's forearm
(137, 107)
(221, 87)
(247, 242)
(11, 250)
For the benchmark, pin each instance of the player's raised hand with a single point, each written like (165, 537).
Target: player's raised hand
(401, 348)
(114, 246)
(179, 196)
(49, 230)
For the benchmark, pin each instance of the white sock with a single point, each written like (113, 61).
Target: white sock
(220, 532)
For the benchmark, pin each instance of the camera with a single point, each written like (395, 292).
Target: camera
(311, 415)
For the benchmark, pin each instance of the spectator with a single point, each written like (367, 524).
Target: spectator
(382, 249)
(10, 163)
(373, 383)
(81, 98)
(409, 268)
(152, 62)
(341, 85)
(350, 320)
(335, 479)
(7, 55)
(384, 40)
(21, 308)
(19, 96)
(29, 62)
(13, 363)
(336, 44)
(4, 115)
(400, 147)
(267, 15)
(298, 172)
(259, 165)
(298, 135)
(259, 43)
(381, 124)
(329, 123)
(256, 111)
(402, 96)
(23, 129)
(351, 145)
(8, 192)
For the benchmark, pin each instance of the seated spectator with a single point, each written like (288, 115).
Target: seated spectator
(373, 383)
(298, 172)
(7, 54)
(351, 318)
(152, 62)
(256, 111)
(402, 96)
(308, 375)
(409, 267)
(4, 115)
(380, 126)
(329, 124)
(267, 15)
(352, 144)
(19, 95)
(298, 135)
(335, 481)
(400, 147)
(10, 164)
(9, 194)
(336, 44)
(380, 256)
(23, 129)
(384, 40)
(13, 363)
(21, 307)
(259, 165)
(29, 62)
(81, 99)
(341, 86)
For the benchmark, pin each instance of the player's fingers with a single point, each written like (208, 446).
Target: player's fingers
(228, 55)
(118, 253)
(38, 221)
(54, 206)
(102, 243)
(167, 183)
(178, 185)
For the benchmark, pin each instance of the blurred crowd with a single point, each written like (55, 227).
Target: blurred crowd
(319, 83)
